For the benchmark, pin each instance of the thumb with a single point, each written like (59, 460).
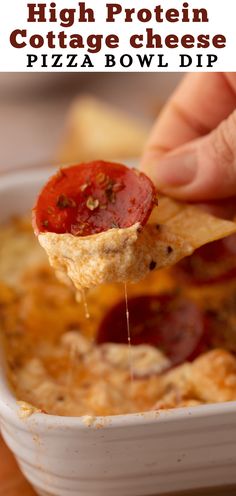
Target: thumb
(203, 169)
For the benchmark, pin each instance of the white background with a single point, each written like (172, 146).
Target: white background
(222, 16)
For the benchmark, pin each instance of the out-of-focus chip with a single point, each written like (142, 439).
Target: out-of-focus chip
(99, 130)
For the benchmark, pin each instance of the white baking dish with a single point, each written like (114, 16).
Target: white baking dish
(128, 455)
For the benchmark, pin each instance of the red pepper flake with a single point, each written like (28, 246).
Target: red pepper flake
(84, 186)
(114, 225)
(64, 202)
(112, 197)
(61, 174)
(92, 203)
(111, 189)
(110, 194)
(118, 187)
(50, 210)
(102, 179)
(76, 230)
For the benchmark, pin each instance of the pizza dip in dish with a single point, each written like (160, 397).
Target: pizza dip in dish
(164, 339)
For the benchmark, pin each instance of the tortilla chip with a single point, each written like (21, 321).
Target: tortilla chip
(98, 130)
(167, 208)
(128, 255)
(191, 223)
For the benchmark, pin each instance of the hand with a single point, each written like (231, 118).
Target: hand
(191, 153)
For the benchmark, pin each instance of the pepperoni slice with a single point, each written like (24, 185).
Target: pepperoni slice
(171, 323)
(90, 198)
(214, 262)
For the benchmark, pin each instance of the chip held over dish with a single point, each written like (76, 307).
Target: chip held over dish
(100, 222)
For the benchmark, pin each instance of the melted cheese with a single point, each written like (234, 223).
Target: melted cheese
(54, 363)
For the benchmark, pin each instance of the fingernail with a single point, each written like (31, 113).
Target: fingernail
(176, 169)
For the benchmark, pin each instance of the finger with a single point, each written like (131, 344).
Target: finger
(198, 105)
(203, 169)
